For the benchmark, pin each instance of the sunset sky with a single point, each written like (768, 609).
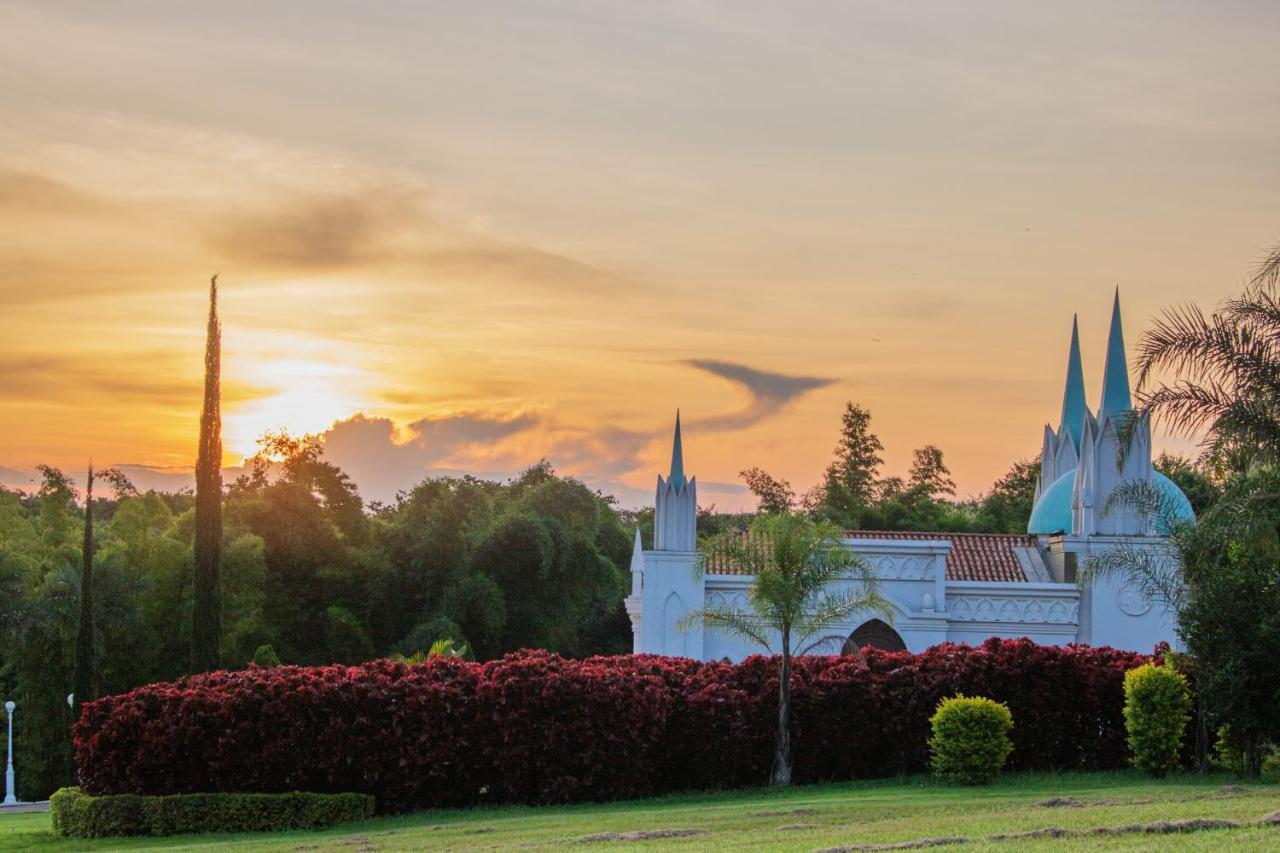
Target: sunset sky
(464, 236)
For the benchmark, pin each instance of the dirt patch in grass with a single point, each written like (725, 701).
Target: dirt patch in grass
(791, 827)
(1160, 827)
(637, 835)
(784, 812)
(899, 845)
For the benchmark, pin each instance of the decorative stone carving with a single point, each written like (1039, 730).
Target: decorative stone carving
(891, 567)
(1131, 599)
(973, 608)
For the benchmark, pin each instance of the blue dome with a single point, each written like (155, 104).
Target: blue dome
(1052, 513)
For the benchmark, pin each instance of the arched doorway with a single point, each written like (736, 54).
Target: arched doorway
(876, 633)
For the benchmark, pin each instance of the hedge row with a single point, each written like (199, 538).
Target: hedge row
(79, 815)
(534, 727)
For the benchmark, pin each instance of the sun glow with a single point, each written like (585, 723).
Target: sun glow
(300, 397)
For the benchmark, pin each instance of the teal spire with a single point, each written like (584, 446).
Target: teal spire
(1073, 394)
(1115, 376)
(677, 458)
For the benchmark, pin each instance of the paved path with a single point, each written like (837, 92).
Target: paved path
(42, 806)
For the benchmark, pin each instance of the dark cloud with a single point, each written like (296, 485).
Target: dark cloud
(393, 227)
(319, 231)
(768, 392)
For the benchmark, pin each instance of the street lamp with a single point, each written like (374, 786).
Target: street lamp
(10, 798)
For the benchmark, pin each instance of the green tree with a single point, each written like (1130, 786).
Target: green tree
(1197, 484)
(1229, 618)
(1007, 507)
(772, 494)
(849, 485)
(930, 477)
(206, 632)
(804, 581)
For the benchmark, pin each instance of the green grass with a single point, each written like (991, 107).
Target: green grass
(803, 818)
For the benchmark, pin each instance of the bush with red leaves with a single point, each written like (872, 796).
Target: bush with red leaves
(535, 727)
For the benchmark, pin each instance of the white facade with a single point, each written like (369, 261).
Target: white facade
(956, 587)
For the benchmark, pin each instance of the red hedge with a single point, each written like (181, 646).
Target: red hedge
(535, 727)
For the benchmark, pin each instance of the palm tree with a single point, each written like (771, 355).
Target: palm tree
(1225, 368)
(800, 570)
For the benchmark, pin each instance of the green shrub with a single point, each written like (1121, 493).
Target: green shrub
(265, 655)
(1157, 707)
(80, 815)
(970, 740)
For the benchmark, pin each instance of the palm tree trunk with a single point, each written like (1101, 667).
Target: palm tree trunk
(782, 754)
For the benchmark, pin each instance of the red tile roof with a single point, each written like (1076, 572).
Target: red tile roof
(973, 556)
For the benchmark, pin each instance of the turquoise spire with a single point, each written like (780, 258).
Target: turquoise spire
(1115, 376)
(1073, 394)
(677, 458)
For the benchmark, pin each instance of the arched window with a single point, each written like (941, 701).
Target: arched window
(874, 633)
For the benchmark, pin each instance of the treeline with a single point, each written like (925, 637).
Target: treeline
(535, 562)
(854, 494)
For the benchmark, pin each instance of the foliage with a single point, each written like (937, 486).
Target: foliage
(970, 739)
(78, 815)
(795, 564)
(1007, 507)
(265, 655)
(1195, 481)
(1229, 621)
(448, 732)
(1225, 369)
(1157, 707)
(848, 488)
(206, 632)
(852, 493)
(773, 495)
(304, 570)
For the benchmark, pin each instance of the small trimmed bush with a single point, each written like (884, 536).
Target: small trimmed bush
(1157, 707)
(970, 739)
(79, 815)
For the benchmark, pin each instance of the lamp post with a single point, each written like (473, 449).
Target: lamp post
(10, 798)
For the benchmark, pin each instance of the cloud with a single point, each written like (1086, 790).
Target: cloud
(383, 460)
(768, 392)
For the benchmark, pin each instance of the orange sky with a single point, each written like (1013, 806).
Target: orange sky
(537, 231)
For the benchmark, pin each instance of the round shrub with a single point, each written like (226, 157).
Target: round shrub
(1157, 706)
(970, 739)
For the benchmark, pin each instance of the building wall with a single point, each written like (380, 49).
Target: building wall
(927, 609)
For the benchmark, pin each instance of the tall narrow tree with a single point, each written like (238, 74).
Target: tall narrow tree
(83, 684)
(207, 628)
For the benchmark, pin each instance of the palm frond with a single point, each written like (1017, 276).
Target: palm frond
(1267, 273)
(748, 625)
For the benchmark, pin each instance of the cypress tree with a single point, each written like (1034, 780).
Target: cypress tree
(207, 628)
(83, 684)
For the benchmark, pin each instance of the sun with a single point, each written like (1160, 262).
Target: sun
(299, 396)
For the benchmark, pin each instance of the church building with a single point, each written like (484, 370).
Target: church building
(958, 587)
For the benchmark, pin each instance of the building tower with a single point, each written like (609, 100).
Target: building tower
(675, 509)
(668, 582)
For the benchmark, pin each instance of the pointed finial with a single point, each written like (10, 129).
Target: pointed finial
(1115, 375)
(637, 554)
(1073, 394)
(677, 458)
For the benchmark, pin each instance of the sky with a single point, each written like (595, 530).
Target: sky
(460, 237)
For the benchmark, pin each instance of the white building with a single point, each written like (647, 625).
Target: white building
(959, 587)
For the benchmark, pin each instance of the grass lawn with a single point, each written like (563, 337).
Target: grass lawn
(804, 818)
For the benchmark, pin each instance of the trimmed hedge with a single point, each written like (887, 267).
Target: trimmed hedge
(970, 740)
(80, 815)
(535, 727)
